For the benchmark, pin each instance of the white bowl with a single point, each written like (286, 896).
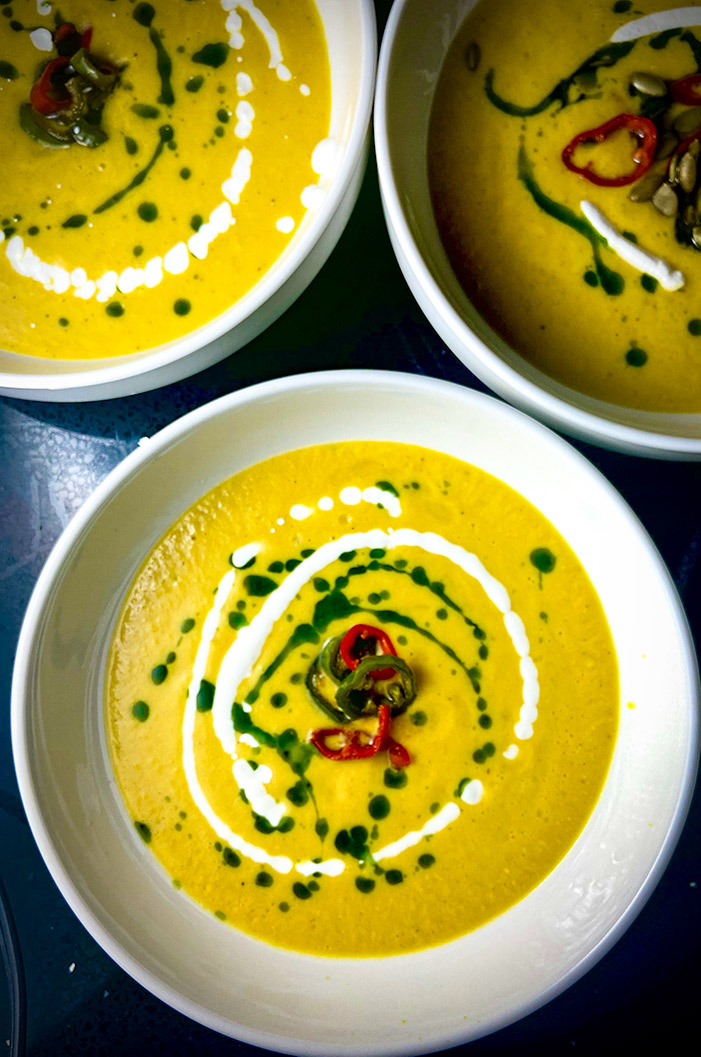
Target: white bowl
(351, 37)
(414, 46)
(312, 1005)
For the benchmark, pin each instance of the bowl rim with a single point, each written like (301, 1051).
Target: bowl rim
(135, 365)
(504, 379)
(21, 705)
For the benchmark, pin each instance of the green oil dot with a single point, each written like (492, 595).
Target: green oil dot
(63, 322)
(214, 55)
(144, 831)
(231, 858)
(205, 696)
(442, 614)
(636, 357)
(543, 559)
(137, 251)
(159, 674)
(364, 884)
(321, 585)
(649, 283)
(591, 278)
(278, 700)
(115, 309)
(478, 756)
(223, 115)
(485, 721)
(322, 828)
(426, 860)
(187, 625)
(379, 807)
(194, 84)
(182, 306)
(622, 5)
(33, 230)
(76, 221)
(284, 907)
(694, 327)
(419, 719)
(394, 877)
(140, 711)
(301, 890)
(395, 779)
(144, 14)
(185, 173)
(130, 145)
(488, 748)
(481, 704)
(148, 211)
(171, 657)
(264, 879)
(219, 131)
(8, 72)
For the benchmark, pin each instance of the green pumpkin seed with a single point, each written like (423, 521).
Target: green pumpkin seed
(687, 172)
(672, 175)
(665, 200)
(649, 84)
(688, 121)
(690, 217)
(696, 237)
(668, 144)
(645, 187)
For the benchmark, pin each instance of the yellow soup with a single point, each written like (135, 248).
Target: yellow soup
(326, 800)
(586, 261)
(157, 159)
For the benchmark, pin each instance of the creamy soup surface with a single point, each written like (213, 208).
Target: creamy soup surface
(157, 160)
(539, 148)
(325, 799)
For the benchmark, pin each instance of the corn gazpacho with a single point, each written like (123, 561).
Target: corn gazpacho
(576, 160)
(158, 158)
(361, 698)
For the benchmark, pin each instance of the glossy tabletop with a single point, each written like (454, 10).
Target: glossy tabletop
(357, 313)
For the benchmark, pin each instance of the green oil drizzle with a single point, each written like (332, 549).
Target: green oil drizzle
(568, 90)
(213, 55)
(165, 134)
(611, 282)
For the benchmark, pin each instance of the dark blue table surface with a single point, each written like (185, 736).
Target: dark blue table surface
(357, 313)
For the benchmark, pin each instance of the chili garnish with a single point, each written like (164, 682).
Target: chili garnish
(640, 127)
(48, 96)
(363, 640)
(346, 664)
(687, 90)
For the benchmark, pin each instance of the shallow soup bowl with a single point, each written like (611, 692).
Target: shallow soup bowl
(414, 47)
(334, 176)
(262, 994)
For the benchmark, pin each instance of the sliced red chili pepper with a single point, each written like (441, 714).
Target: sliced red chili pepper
(687, 90)
(641, 127)
(67, 39)
(363, 640)
(47, 97)
(398, 755)
(355, 747)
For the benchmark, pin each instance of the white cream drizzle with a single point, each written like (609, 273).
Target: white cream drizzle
(41, 39)
(248, 645)
(676, 18)
(642, 260)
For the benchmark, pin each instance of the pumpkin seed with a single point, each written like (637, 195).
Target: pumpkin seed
(696, 238)
(694, 148)
(687, 172)
(688, 121)
(665, 200)
(473, 55)
(667, 144)
(698, 202)
(673, 169)
(690, 217)
(645, 187)
(649, 84)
